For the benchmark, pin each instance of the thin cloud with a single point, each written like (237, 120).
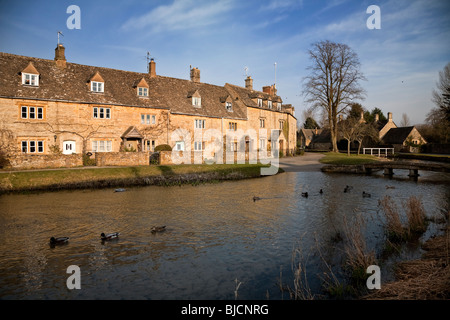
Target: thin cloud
(181, 15)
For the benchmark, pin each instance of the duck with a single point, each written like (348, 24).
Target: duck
(256, 198)
(390, 187)
(120, 190)
(109, 236)
(59, 240)
(158, 229)
(347, 188)
(320, 191)
(365, 194)
(305, 194)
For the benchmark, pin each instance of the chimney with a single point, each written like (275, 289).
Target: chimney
(377, 117)
(268, 89)
(361, 119)
(390, 116)
(249, 83)
(152, 68)
(60, 57)
(195, 75)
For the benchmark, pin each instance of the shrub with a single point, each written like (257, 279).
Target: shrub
(163, 147)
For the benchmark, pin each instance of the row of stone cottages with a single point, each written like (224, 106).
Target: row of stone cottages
(53, 106)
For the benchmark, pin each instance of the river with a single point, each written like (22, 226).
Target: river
(217, 236)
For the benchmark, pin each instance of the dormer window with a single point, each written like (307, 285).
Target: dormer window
(196, 101)
(97, 83)
(142, 88)
(142, 92)
(279, 106)
(96, 86)
(30, 76)
(260, 102)
(229, 106)
(269, 104)
(30, 79)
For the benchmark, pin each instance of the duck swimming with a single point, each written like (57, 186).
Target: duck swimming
(305, 194)
(320, 191)
(256, 198)
(158, 229)
(365, 194)
(120, 190)
(59, 240)
(109, 236)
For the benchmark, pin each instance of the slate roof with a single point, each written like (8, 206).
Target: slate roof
(397, 135)
(73, 84)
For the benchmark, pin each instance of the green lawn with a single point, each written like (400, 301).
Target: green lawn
(65, 178)
(343, 158)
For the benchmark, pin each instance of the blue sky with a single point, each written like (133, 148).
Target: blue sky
(401, 61)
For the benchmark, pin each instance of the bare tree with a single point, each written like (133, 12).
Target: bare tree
(405, 121)
(439, 117)
(333, 82)
(347, 130)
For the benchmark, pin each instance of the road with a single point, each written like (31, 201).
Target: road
(306, 163)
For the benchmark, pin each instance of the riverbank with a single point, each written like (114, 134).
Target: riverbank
(427, 278)
(115, 177)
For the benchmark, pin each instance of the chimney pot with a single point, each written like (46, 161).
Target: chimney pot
(249, 83)
(195, 75)
(60, 57)
(152, 68)
(390, 116)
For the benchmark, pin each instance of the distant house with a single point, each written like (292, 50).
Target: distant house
(306, 136)
(384, 126)
(404, 139)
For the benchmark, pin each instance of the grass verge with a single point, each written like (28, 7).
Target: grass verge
(124, 176)
(344, 159)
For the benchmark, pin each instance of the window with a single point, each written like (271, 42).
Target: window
(281, 124)
(199, 145)
(102, 146)
(102, 113)
(279, 106)
(269, 104)
(96, 86)
(232, 126)
(30, 79)
(234, 146)
(199, 124)
(262, 123)
(179, 146)
(196, 102)
(27, 112)
(260, 104)
(229, 106)
(33, 146)
(142, 92)
(148, 119)
(149, 145)
(262, 144)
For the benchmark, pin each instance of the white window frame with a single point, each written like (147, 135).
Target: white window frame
(260, 102)
(101, 113)
(30, 79)
(179, 146)
(31, 112)
(101, 146)
(196, 102)
(199, 124)
(199, 145)
(32, 146)
(262, 123)
(269, 104)
(279, 106)
(142, 92)
(229, 106)
(262, 144)
(99, 86)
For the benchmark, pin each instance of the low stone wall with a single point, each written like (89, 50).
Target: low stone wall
(122, 159)
(44, 161)
(198, 157)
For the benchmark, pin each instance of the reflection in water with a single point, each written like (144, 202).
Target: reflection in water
(215, 234)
